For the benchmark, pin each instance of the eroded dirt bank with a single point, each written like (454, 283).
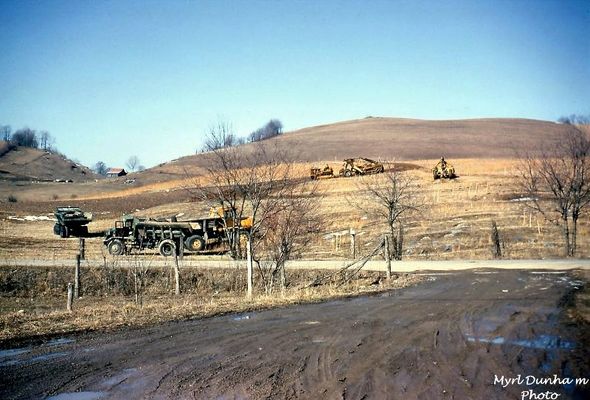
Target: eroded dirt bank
(450, 337)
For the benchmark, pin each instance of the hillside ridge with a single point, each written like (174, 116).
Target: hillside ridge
(29, 164)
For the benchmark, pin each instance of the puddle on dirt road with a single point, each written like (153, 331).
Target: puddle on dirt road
(544, 342)
(13, 352)
(17, 356)
(79, 396)
(43, 357)
(119, 378)
(59, 342)
(11, 357)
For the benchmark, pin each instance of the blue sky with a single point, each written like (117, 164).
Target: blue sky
(110, 79)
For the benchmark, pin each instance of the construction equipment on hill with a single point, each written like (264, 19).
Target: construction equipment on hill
(201, 235)
(360, 166)
(71, 221)
(318, 173)
(443, 170)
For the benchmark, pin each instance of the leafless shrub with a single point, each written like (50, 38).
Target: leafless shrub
(393, 196)
(289, 231)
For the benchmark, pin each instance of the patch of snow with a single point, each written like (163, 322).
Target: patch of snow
(31, 218)
(523, 199)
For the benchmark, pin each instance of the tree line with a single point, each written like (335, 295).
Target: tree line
(27, 137)
(226, 137)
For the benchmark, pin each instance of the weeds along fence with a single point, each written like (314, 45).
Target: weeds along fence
(156, 281)
(108, 281)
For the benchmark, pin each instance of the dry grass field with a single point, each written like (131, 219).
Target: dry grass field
(454, 222)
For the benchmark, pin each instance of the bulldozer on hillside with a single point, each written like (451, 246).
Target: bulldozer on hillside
(443, 170)
(360, 166)
(321, 173)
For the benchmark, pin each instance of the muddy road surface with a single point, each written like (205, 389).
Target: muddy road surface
(486, 334)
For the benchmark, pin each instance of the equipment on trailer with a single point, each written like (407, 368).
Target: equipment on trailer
(71, 221)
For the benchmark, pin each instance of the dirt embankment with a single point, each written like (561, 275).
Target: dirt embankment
(460, 335)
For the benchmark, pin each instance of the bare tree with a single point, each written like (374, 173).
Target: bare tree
(289, 231)
(393, 197)
(100, 168)
(556, 182)
(220, 136)
(132, 163)
(247, 185)
(5, 131)
(45, 140)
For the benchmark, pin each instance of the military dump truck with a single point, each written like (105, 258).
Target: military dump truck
(71, 221)
(321, 173)
(360, 166)
(208, 234)
(443, 170)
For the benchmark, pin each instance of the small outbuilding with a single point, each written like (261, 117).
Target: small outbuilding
(115, 172)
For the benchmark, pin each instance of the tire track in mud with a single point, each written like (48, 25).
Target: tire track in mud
(446, 338)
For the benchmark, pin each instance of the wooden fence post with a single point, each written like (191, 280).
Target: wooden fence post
(70, 297)
(77, 277)
(387, 256)
(353, 243)
(82, 249)
(250, 266)
(176, 275)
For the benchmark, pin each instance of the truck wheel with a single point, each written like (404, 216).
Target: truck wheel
(167, 248)
(64, 232)
(57, 229)
(116, 247)
(194, 243)
(348, 173)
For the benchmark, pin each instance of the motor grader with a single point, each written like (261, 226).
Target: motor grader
(360, 166)
(443, 170)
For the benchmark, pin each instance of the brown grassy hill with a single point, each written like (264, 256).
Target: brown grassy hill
(409, 139)
(395, 138)
(23, 163)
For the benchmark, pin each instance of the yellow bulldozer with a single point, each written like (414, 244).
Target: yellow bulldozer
(443, 170)
(321, 173)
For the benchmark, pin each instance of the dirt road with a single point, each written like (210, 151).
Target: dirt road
(461, 335)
